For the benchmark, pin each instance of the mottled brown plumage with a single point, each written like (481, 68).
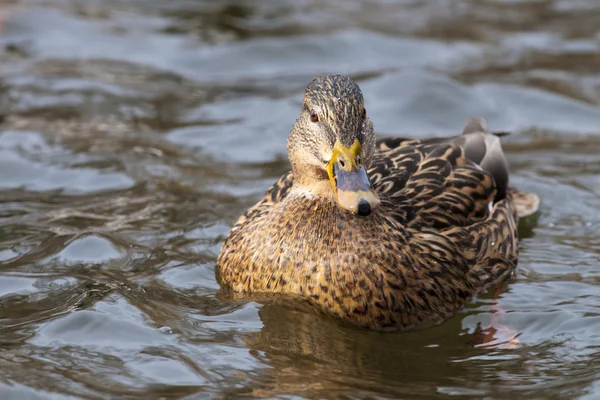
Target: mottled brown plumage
(446, 228)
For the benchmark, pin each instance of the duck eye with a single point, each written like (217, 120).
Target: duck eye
(364, 113)
(357, 159)
(314, 117)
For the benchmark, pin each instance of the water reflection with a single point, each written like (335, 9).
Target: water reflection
(314, 356)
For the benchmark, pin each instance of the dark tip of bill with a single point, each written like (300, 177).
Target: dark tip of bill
(364, 208)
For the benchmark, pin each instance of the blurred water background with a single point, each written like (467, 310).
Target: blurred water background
(133, 133)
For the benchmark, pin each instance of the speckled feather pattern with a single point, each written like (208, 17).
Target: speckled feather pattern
(431, 246)
(446, 228)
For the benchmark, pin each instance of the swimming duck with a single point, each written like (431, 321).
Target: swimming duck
(386, 234)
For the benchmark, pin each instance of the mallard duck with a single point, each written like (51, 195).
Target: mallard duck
(386, 234)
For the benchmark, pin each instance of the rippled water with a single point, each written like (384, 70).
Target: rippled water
(133, 133)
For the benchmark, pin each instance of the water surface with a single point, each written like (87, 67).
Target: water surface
(134, 133)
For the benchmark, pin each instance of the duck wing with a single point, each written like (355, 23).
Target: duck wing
(454, 191)
(442, 182)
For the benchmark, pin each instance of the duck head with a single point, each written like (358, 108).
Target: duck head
(332, 143)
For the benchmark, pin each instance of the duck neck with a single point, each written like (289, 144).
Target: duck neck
(312, 189)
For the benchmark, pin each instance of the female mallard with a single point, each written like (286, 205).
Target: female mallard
(395, 233)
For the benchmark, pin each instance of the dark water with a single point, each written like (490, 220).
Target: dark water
(133, 133)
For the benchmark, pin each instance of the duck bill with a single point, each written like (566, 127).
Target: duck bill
(349, 180)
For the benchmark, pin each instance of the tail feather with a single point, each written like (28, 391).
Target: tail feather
(525, 204)
(484, 148)
(487, 147)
